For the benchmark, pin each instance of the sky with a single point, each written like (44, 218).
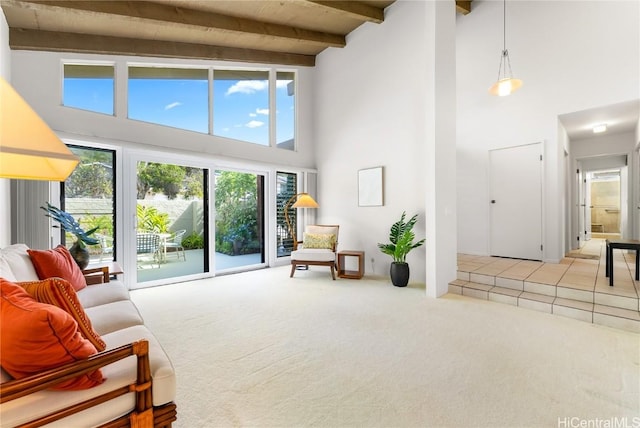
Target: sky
(240, 107)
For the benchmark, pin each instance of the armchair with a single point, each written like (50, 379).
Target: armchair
(174, 243)
(318, 248)
(106, 246)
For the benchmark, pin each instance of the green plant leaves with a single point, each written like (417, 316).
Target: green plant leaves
(69, 224)
(401, 236)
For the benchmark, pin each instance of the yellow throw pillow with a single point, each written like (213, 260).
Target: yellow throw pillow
(319, 240)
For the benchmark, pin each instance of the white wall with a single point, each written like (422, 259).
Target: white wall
(375, 106)
(37, 76)
(636, 180)
(571, 56)
(5, 194)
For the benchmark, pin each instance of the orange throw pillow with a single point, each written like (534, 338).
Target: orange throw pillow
(38, 336)
(58, 292)
(58, 262)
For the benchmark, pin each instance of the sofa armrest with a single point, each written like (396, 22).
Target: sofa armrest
(18, 388)
(97, 275)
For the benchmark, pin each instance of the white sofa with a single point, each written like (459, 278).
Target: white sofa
(117, 320)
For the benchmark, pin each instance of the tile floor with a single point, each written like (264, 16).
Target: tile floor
(576, 287)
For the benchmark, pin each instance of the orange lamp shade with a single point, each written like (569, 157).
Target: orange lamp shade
(29, 149)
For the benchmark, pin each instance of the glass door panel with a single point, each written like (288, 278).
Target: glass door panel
(239, 220)
(171, 232)
(89, 196)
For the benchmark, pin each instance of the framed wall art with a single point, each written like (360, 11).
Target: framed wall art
(370, 187)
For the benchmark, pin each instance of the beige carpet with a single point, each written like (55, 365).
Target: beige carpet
(259, 349)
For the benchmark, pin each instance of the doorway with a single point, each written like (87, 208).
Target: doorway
(604, 208)
(171, 231)
(602, 198)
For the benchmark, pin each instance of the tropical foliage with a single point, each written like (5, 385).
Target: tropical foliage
(401, 237)
(152, 220)
(236, 213)
(193, 242)
(71, 225)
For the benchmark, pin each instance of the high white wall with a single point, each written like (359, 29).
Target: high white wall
(376, 105)
(571, 56)
(38, 76)
(636, 180)
(5, 194)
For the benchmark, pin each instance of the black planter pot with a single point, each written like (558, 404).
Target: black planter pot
(399, 274)
(80, 255)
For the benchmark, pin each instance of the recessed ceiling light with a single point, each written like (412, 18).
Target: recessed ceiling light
(599, 128)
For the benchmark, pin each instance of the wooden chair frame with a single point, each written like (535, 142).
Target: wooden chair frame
(331, 264)
(144, 415)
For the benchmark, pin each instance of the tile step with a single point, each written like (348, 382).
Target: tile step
(612, 316)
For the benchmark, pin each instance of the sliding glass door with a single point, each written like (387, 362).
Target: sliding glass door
(239, 220)
(170, 222)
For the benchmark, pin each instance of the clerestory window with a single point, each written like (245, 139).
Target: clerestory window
(89, 87)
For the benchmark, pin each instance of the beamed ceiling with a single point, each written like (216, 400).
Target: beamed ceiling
(287, 32)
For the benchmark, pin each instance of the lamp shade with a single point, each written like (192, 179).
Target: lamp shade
(504, 87)
(29, 149)
(305, 201)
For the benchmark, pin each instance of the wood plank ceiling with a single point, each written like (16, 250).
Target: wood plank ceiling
(286, 32)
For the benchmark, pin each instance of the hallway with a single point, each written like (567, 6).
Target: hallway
(576, 287)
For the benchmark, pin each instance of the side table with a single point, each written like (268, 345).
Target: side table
(351, 274)
(101, 272)
(621, 244)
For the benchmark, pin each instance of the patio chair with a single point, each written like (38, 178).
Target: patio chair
(318, 248)
(148, 244)
(174, 244)
(106, 246)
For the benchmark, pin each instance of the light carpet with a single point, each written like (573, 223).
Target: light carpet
(260, 349)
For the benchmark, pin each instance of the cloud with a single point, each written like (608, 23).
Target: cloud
(248, 87)
(282, 83)
(172, 105)
(264, 111)
(252, 115)
(254, 124)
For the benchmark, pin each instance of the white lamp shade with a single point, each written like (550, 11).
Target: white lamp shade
(505, 87)
(29, 149)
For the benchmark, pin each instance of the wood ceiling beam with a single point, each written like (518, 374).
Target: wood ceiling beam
(37, 40)
(144, 11)
(356, 9)
(463, 6)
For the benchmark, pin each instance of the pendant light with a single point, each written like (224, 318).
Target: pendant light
(506, 84)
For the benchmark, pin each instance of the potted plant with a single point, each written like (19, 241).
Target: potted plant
(402, 241)
(69, 224)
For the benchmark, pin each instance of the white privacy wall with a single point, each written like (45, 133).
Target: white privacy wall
(375, 106)
(571, 56)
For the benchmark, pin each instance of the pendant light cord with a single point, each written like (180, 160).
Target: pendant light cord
(504, 26)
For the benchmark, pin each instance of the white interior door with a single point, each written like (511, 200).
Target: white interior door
(516, 202)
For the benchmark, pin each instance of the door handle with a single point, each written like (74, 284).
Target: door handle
(493, 201)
